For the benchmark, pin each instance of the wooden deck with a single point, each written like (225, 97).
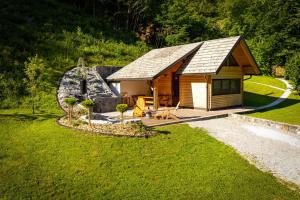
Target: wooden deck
(186, 115)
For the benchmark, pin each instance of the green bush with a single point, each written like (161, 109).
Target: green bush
(88, 104)
(293, 70)
(70, 102)
(122, 108)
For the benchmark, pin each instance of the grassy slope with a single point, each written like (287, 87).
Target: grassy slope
(267, 80)
(287, 111)
(259, 95)
(41, 159)
(59, 33)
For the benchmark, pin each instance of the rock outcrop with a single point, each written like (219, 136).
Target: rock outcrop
(89, 83)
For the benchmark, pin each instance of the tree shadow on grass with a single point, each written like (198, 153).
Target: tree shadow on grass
(29, 117)
(257, 100)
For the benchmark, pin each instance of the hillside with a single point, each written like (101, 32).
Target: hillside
(116, 32)
(59, 33)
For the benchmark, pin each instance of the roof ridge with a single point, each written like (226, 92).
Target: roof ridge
(178, 45)
(238, 37)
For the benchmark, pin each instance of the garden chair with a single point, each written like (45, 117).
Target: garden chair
(166, 114)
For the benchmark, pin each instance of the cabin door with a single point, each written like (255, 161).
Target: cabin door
(199, 95)
(175, 88)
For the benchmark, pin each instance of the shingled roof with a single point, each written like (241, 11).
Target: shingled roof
(211, 56)
(207, 58)
(154, 62)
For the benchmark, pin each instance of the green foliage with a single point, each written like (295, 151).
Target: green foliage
(70, 101)
(34, 70)
(87, 103)
(121, 108)
(287, 111)
(293, 70)
(185, 21)
(60, 32)
(167, 166)
(103, 33)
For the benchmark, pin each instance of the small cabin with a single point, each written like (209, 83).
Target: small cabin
(204, 75)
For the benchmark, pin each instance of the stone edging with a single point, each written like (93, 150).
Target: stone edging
(104, 134)
(295, 129)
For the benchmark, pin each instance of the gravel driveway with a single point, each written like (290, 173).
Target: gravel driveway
(269, 149)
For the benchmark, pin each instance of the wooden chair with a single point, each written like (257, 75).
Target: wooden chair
(165, 99)
(125, 98)
(166, 114)
(142, 104)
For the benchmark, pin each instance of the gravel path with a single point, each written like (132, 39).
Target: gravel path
(286, 94)
(269, 149)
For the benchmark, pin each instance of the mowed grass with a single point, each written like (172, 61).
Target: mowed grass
(266, 80)
(287, 111)
(39, 159)
(259, 95)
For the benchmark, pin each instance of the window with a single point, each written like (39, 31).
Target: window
(226, 86)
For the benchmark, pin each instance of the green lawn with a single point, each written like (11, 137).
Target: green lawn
(39, 159)
(266, 80)
(259, 95)
(287, 111)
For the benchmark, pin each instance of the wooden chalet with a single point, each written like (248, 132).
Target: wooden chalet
(203, 75)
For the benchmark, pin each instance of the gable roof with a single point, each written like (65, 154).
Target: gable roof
(211, 56)
(207, 58)
(154, 62)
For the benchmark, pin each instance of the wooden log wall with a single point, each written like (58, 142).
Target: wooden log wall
(222, 101)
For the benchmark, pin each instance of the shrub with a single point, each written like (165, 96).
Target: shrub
(70, 102)
(293, 70)
(122, 108)
(88, 104)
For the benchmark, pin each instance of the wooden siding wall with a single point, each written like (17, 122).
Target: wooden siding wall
(221, 101)
(163, 83)
(185, 89)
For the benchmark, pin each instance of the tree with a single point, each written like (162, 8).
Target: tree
(122, 108)
(293, 70)
(70, 102)
(34, 70)
(88, 104)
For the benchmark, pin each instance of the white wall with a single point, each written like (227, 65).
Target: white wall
(135, 87)
(115, 87)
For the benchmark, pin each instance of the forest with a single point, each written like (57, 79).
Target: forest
(115, 32)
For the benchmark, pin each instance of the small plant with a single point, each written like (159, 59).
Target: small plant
(70, 102)
(88, 104)
(75, 123)
(34, 71)
(122, 108)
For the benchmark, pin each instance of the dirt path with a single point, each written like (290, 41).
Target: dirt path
(269, 149)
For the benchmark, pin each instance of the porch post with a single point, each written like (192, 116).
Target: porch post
(155, 98)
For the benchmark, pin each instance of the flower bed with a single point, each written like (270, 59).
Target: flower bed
(130, 129)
